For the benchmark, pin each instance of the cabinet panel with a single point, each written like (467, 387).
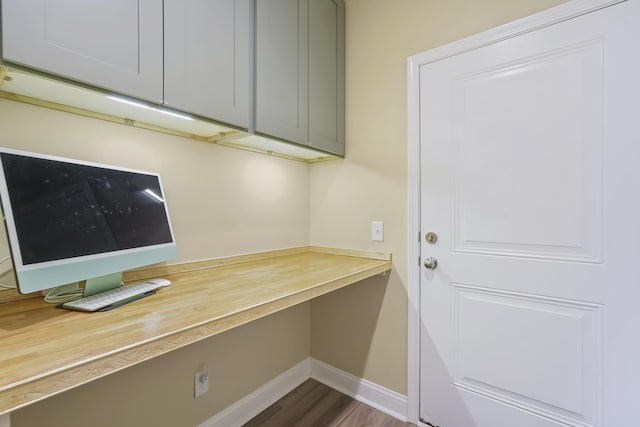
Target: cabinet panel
(207, 58)
(282, 69)
(115, 44)
(326, 75)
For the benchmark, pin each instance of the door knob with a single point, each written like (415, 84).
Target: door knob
(430, 263)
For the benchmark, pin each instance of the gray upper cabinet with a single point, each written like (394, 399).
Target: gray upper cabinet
(300, 72)
(282, 69)
(272, 67)
(115, 44)
(207, 58)
(326, 75)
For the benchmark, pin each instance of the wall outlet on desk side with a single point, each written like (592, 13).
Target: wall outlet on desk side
(201, 382)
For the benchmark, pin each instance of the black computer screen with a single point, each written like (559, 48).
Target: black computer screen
(63, 210)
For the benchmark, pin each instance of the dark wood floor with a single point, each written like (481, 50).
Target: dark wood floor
(313, 404)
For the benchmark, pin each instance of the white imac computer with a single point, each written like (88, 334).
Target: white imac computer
(69, 221)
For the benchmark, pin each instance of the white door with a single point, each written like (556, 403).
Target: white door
(530, 177)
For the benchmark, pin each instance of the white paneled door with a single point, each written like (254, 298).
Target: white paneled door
(530, 178)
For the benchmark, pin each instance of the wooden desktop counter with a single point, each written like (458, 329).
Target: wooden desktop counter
(45, 350)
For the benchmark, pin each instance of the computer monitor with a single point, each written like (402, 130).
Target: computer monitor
(69, 221)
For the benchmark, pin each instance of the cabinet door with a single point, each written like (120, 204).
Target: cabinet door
(282, 69)
(207, 58)
(113, 44)
(326, 75)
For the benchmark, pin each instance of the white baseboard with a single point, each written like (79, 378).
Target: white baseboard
(251, 405)
(381, 398)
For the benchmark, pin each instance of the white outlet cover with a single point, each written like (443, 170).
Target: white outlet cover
(377, 231)
(201, 383)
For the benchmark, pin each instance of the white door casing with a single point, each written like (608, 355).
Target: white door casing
(527, 168)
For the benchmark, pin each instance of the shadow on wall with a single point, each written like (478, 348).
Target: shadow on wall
(344, 324)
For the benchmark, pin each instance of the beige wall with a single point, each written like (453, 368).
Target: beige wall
(248, 202)
(222, 202)
(371, 183)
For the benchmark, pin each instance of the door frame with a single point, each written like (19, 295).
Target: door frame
(565, 11)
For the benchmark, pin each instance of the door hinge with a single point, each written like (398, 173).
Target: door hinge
(422, 420)
(419, 234)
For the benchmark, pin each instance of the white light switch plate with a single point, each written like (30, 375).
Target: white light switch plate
(377, 231)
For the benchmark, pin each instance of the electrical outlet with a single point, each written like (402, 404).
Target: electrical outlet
(201, 383)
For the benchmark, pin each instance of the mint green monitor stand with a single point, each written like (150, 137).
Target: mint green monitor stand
(102, 283)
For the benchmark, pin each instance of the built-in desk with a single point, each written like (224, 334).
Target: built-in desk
(45, 350)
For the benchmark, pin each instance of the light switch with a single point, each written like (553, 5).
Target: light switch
(377, 231)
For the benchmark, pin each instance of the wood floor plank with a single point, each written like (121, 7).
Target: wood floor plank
(328, 412)
(364, 415)
(313, 404)
(292, 407)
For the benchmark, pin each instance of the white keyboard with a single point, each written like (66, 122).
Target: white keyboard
(116, 297)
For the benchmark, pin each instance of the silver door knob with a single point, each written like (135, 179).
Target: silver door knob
(430, 263)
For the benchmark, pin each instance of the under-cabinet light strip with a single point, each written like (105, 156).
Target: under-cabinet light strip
(148, 107)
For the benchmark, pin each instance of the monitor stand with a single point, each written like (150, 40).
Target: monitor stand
(102, 283)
